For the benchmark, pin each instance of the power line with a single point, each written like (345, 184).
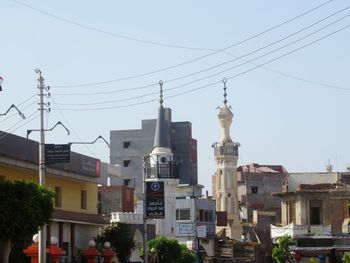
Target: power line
(21, 108)
(91, 28)
(217, 65)
(217, 82)
(176, 65)
(220, 72)
(5, 133)
(71, 127)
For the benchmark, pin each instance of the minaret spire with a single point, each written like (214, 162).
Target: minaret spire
(224, 80)
(161, 93)
(161, 138)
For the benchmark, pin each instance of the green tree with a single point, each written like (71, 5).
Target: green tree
(167, 250)
(346, 257)
(121, 239)
(187, 256)
(25, 207)
(281, 252)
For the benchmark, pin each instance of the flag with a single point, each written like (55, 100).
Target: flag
(1, 80)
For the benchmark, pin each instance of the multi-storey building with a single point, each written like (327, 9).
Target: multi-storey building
(129, 147)
(315, 212)
(75, 220)
(195, 214)
(256, 183)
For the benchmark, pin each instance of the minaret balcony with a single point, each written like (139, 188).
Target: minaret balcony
(168, 170)
(226, 148)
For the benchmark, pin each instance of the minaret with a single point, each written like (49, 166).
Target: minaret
(160, 166)
(226, 156)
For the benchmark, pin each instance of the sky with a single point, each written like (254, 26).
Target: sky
(286, 64)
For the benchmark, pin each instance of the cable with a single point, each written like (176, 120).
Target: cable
(265, 63)
(71, 127)
(220, 72)
(183, 63)
(216, 82)
(221, 64)
(21, 109)
(5, 133)
(110, 33)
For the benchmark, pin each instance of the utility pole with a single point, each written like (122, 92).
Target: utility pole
(41, 87)
(144, 236)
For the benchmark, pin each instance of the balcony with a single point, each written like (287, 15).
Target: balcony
(169, 170)
(226, 149)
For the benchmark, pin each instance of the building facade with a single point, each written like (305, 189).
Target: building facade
(315, 212)
(75, 219)
(129, 147)
(256, 183)
(195, 214)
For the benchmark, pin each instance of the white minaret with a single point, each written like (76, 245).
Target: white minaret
(161, 167)
(226, 156)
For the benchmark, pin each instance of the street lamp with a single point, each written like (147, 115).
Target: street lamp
(99, 137)
(13, 106)
(58, 123)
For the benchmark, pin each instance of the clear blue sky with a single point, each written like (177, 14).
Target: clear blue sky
(293, 111)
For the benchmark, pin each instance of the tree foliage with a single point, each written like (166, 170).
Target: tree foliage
(121, 239)
(25, 207)
(281, 252)
(346, 257)
(167, 250)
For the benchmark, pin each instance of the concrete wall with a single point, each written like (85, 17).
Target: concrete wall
(266, 183)
(71, 189)
(294, 179)
(141, 144)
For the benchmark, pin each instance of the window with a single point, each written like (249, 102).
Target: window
(83, 199)
(205, 215)
(183, 214)
(254, 189)
(315, 212)
(126, 163)
(58, 196)
(2, 178)
(126, 144)
(126, 182)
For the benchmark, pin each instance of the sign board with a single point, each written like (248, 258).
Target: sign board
(186, 229)
(155, 206)
(221, 218)
(201, 231)
(57, 153)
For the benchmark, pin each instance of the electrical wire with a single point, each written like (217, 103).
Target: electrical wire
(91, 28)
(21, 109)
(221, 64)
(217, 73)
(216, 82)
(71, 128)
(179, 64)
(3, 134)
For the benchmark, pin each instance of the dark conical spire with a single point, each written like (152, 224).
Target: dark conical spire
(161, 138)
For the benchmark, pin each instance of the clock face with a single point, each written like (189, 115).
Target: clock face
(163, 159)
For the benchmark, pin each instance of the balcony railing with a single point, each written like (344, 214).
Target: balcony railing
(225, 149)
(168, 170)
